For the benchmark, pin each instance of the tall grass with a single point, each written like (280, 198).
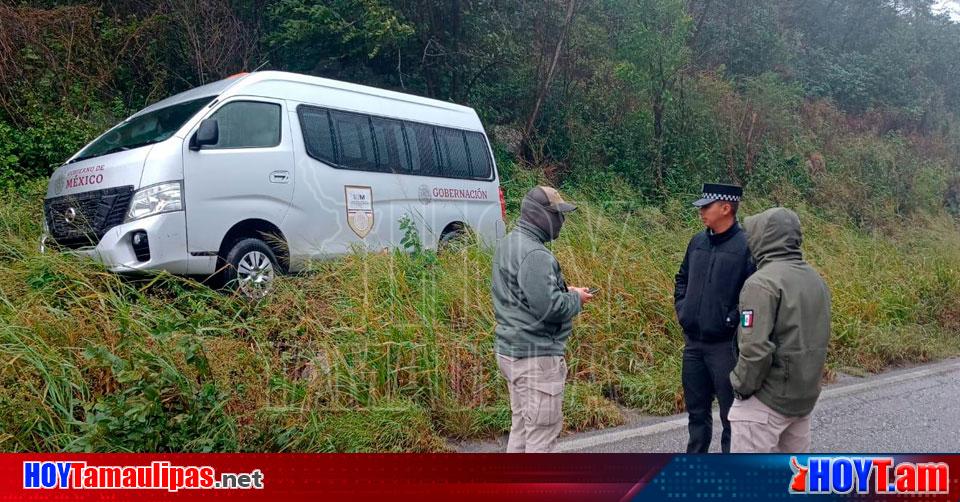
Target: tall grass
(393, 352)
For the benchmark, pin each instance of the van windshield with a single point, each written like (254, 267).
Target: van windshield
(144, 130)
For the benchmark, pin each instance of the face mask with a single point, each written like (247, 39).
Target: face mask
(549, 222)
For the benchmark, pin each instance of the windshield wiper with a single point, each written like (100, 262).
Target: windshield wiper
(121, 148)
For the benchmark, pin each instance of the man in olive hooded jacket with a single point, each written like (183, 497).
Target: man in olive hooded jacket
(783, 336)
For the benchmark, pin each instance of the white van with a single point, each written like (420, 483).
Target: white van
(258, 173)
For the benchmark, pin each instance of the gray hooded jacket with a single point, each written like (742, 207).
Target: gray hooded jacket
(531, 303)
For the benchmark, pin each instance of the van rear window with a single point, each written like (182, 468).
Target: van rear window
(317, 134)
(354, 141)
(423, 151)
(453, 153)
(480, 164)
(391, 147)
(348, 140)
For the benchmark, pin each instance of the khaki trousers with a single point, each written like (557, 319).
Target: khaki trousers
(759, 429)
(536, 401)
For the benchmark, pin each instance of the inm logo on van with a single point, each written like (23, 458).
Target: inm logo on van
(92, 175)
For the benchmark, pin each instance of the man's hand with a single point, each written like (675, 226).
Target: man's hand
(585, 296)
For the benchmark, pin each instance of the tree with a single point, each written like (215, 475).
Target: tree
(653, 51)
(544, 79)
(332, 38)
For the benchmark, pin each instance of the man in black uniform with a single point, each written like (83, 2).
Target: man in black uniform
(716, 264)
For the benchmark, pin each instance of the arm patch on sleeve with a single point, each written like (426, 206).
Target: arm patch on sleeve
(746, 319)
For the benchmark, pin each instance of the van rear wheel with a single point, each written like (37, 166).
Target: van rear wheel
(454, 236)
(251, 268)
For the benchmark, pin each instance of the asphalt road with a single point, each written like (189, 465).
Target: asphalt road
(913, 410)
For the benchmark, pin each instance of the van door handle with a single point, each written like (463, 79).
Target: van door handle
(280, 177)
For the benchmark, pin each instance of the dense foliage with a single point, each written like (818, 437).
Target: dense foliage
(851, 105)
(846, 111)
(393, 352)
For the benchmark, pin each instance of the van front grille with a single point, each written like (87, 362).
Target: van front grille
(82, 219)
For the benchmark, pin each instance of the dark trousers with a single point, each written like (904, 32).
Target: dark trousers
(706, 375)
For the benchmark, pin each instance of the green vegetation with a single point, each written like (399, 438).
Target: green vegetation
(392, 352)
(845, 111)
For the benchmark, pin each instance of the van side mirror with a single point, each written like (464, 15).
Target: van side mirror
(207, 134)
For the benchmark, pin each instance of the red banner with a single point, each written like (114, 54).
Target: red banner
(580, 477)
(292, 477)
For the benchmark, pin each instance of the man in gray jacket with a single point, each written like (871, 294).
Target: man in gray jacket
(534, 310)
(783, 338)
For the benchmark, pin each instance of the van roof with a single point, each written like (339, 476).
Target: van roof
(236, 84)
(208, 90)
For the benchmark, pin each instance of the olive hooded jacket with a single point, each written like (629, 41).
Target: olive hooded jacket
(784, 318)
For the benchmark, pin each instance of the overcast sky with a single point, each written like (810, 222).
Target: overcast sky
(950, 6)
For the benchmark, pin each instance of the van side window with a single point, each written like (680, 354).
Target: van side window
(423, 152)
(453, 153)
(248, 124)
(354, 140)
(391, 148)
(481, 166)
(317, 133)
(348, 140)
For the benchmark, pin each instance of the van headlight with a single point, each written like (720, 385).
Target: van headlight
(156, 199)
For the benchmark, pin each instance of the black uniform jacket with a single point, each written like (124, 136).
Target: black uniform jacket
(708, 284)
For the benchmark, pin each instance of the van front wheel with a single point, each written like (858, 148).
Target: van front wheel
(251, 268)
